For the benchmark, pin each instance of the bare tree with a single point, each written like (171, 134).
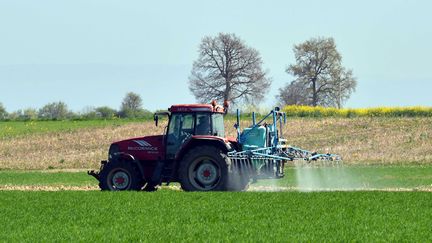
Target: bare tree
(227, 69)
(319, 70)
(293, 93)
(343, 86)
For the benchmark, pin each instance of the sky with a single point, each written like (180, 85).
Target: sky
(90, 53)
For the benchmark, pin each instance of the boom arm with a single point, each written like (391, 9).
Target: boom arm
(274, 153)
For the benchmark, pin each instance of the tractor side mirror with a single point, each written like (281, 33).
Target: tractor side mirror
(156, 119)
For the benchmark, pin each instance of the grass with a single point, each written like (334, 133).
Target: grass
(348, 177)
(355, 177)
(44, 178)
(171, 216)
(175, 216)
(12, 129)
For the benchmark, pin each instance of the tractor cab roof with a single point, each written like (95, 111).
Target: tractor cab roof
(192, 108)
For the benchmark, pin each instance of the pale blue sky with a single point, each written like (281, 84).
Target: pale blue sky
(91, 52)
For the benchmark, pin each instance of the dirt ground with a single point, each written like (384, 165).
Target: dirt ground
(357, 140)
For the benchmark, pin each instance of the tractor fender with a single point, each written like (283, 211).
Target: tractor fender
(195, 141)
(128, 157)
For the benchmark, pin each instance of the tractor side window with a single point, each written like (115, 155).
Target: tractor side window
(181, 126)
(203, 124)
(218, 125)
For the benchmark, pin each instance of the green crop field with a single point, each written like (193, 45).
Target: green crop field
(172, 216)
(11, 129)
(45, 194)
(334, 178)
(43, 178)
(355, 178)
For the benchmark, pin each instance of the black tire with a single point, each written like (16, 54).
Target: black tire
(204, 168)
(120, 175)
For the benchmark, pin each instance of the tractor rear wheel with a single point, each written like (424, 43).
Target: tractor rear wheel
(120, 176)
(204, 168)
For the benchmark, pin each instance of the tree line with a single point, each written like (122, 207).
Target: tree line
(131, 107)
(228, 69)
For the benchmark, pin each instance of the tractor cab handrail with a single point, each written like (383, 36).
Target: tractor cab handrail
(160, 113)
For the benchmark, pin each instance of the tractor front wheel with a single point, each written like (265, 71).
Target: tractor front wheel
(120, 176)
(204, 168)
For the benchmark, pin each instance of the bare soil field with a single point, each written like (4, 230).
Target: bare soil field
(357, 140)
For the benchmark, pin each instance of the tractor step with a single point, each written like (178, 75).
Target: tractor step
(94, 174)
(163, 172)
(168, 173)
(157, 174)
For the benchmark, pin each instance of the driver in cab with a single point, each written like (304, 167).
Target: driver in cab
(203, 127)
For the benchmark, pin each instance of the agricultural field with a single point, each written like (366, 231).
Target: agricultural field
(82, 144)
(382, 193)
(12, 129)
(297, 178)
(70, 208)
(173, 216)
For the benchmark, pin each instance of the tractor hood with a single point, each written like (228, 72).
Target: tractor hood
(142, 148)
(141, 141)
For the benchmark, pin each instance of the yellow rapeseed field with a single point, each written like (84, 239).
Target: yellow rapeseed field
(309, 111)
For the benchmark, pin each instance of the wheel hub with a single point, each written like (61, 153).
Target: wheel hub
(120, 180)
(207, 173)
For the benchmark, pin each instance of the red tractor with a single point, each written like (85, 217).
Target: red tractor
(196, 153)
(193, 152)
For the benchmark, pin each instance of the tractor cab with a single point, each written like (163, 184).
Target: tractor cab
(188, 121)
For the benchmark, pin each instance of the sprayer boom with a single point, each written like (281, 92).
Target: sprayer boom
(264, 150)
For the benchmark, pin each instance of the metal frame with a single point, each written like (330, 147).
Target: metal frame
(277, 153)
